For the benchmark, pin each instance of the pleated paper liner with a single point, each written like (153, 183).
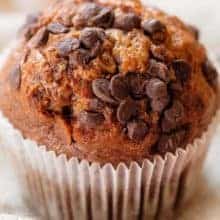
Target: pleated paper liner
(70, 189)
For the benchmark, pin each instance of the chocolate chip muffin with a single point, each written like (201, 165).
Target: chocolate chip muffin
(108, 81)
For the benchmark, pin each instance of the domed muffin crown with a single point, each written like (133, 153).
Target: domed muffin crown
(127, 81)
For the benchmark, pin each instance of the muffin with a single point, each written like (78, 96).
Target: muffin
(108, 81)
(123, 98)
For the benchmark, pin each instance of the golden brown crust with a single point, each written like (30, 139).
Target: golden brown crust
(64, 64)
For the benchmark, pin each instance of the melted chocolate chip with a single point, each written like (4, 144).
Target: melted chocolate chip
(170, 142)
(173, 116)
(92, 14)
(90, 119)
(136, 85)
(79, 57)
(15, 77)
(127, 21)
(155, 29)
(57, 28)
(101, 90)
(156, 89)
(137, 130)
(127, 109)
(210, 72)
(40, 38)
(91, 36)
(104, 18)
(182, 70)
(158, 105)
(119, 88)
(160, 70)
(67, 45)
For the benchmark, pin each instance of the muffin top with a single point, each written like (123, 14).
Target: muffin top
(128, 81)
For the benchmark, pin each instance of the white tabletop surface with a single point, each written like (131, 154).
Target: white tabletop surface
(206, 203)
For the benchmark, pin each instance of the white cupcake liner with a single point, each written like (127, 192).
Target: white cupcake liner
(58, 188)
(70, 189)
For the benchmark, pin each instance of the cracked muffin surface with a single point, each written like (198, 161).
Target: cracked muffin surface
(108, 81)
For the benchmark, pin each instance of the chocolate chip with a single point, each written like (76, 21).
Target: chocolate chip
(40, 38)
(127, 109)
(95, 105)
(79, 57)
(92, 39)
(57, 28)
(158, 69)
(136, 85)
(92, 14)
(15, 77)
(119, 88)
(91, 36)
(155, 89)
(85, 13)
(137, 130)
(101, 90)
(104, 18)
(171, 142)
(155, 29)
(158, 105)
(67, 45)
(194, 30)
(182, 70)
(127, 21)
(210, 72)
(90, 119)
(173, 116)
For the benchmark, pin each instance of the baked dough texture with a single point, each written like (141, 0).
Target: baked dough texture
(108, 81)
